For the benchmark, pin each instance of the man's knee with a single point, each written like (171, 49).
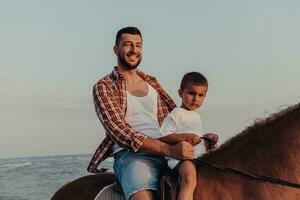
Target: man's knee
(140, 172)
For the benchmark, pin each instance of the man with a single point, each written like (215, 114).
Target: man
(131, 106)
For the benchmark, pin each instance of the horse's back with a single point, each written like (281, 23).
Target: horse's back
(84, 188)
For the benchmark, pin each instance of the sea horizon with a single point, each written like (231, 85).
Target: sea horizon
(39, 177)
(50, 155)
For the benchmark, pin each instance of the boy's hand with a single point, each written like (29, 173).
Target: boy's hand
(210, 141)
(193, 139)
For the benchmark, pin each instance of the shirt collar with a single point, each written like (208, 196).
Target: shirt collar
(115, 75)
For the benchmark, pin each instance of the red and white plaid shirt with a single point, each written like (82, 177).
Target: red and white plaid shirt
(109, 95)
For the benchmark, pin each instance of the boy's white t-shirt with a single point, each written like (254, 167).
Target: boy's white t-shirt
(181, 120)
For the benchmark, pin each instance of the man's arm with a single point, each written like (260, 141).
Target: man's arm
(174, 138)
(182, 150)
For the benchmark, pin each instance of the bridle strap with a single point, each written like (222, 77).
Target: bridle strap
(253, 176)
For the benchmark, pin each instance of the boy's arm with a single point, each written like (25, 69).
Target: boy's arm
(170, 136)
(180, 137)
(181, 150)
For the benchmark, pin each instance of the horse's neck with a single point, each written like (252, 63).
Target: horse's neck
(271, 149)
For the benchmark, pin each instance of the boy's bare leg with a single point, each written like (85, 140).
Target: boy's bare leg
(144, 195)
(187, 175)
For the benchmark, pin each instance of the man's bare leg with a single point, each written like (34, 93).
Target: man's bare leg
(144, 195)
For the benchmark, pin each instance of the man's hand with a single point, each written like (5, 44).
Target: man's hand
(182, 151)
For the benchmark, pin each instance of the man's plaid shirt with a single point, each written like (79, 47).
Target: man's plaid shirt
(109, 95)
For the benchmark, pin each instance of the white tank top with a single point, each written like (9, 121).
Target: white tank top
(141, 114)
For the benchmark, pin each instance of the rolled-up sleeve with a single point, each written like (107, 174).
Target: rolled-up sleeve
(168, 126)
(109, 112)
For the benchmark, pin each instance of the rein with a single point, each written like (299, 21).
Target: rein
(253, 176)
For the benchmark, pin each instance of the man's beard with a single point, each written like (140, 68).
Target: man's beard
(128, 65)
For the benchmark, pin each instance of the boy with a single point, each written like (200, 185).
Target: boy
(184, 119)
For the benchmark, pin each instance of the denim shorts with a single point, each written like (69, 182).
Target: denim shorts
(138, 171)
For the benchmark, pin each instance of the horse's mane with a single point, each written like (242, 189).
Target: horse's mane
(253, 130)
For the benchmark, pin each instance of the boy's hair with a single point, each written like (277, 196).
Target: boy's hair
(130, 30)
(193, 78)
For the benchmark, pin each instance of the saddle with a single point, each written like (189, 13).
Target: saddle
(168, 189)
(169, 186)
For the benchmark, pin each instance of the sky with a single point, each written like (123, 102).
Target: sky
(53, 52)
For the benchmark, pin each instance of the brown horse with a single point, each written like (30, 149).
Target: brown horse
(269, 147)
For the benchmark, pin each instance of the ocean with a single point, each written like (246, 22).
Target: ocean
(38, 178)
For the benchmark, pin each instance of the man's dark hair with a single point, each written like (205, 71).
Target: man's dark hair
(193, 78)
(130, 30)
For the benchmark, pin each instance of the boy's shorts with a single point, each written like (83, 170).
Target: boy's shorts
(138, 171)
